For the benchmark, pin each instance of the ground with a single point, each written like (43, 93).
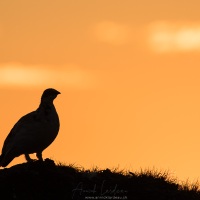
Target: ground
(49, 181)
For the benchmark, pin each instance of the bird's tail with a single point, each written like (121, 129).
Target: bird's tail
(1, 158)
(5, 159)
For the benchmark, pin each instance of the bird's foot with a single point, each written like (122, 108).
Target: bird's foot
(39, 156)
(28, 158)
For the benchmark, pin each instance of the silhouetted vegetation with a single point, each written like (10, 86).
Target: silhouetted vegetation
(47, 181)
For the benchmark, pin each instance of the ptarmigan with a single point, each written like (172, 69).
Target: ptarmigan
(34, 132)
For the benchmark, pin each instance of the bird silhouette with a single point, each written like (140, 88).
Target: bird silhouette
(33, 132)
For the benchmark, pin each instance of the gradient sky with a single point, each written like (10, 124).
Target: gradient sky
(128, 72)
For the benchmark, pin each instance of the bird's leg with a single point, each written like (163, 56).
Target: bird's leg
(39, 156)
(28, 159)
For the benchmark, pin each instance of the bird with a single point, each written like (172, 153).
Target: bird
(33, 132)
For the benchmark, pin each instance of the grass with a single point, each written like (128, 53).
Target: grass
(49, 181)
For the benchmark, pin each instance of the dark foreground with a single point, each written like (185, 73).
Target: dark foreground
(47, 181)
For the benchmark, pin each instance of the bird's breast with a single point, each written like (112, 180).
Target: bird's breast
(48, 124)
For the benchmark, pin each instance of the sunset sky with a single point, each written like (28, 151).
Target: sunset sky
(128, 72)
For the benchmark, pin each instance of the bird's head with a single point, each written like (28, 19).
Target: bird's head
(49, 95)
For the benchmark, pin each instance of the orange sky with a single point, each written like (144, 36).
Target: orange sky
(128, 73)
